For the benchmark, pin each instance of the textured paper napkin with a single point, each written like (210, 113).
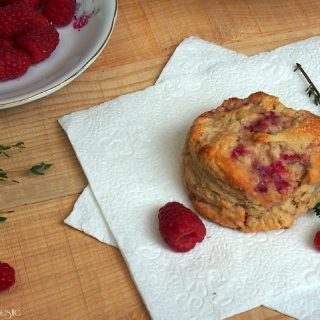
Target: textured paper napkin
(192, 56)
(237, 271)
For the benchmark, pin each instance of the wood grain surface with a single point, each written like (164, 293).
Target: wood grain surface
(61, 272)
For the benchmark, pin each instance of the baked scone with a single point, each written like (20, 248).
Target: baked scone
(252, 164)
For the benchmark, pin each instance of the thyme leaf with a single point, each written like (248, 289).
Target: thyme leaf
(316, 209)
(39, 169)
(3, 175)
(2, 219)
(5, 148)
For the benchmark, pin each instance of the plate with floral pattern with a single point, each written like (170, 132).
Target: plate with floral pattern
(80, 44)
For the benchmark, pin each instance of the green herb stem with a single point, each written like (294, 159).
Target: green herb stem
(311, 89)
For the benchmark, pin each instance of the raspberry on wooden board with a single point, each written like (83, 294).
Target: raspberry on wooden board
(7, 276)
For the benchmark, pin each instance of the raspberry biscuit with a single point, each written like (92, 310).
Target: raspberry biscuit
(252, 164)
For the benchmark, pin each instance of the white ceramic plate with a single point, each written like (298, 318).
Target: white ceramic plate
(76, 51)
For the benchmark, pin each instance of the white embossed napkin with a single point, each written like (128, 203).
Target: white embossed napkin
(229, 272)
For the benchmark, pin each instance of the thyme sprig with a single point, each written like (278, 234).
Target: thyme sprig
(39, 169)
(316, 209)
(5, 148)
(311, 90)
(4, 176)
(2, 219)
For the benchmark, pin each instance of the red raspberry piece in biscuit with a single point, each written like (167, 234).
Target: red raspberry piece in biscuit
(17, 18)
(7, 276)
(13, 63)
(39, 42)
(59, 12)
(180, 227)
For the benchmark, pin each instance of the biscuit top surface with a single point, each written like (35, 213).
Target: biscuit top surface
(258, 146)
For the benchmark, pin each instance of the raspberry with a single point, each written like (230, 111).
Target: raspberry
(59, 12)
(13, 63)
(275, 172)
(281, 185)
(7, 276)
(291, 157)
(239, 150)
(6, 43)
(262, 186)
(39, 42)
(180, 227)
(275, 168)
(317, 241)
(18, 18)
(31, 3)
(268, 119)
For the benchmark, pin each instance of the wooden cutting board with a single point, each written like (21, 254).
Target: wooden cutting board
(62, 273)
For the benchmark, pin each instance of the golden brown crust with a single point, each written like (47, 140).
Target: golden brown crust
(252, 164)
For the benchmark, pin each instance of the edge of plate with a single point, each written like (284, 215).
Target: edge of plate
(70, 78)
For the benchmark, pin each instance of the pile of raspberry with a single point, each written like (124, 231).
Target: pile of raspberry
(28, 33)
